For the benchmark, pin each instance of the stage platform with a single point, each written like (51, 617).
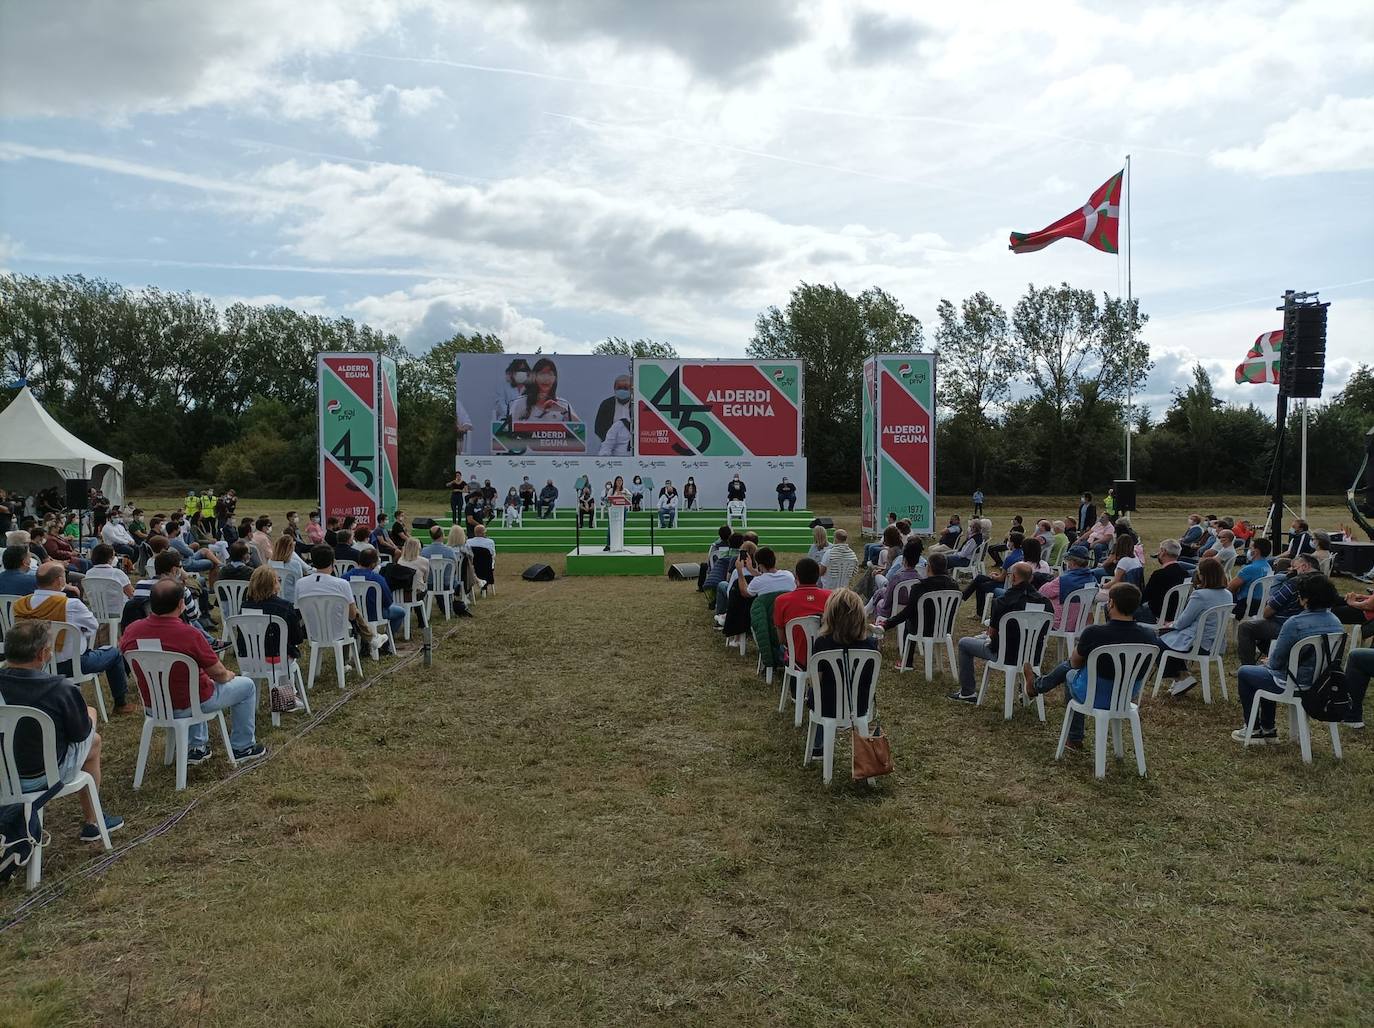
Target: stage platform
(633, 560)
(695, 531)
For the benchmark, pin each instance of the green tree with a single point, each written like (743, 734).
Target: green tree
(974, 378)
(833, 332)
(614, 346)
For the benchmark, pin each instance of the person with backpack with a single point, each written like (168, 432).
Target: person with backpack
(1317, 596)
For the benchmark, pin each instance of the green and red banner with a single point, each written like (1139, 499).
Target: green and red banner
(905, 439)
(868, 475)
(348, 435)
(387, 495)
(718, 408)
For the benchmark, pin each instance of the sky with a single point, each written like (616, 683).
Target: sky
(560, 171)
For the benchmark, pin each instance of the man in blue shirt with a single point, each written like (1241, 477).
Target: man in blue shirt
(392, 612)
(1242, 585)
(16, 580)
(1283, 604)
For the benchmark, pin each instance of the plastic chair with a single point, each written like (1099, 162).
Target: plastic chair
(1074, 612)
(443, 572)
(847, 680)
(327, 628)
(935, 611)
(1256, 599)
(343, 567)
(1131, 663)
(69, 654)
(153, 669)
(1291, 697)
(1216, 617)
(229, 593)
(975, 564)
(416, 603)
(798, 676)
(840, 570)
(507, 520)
(368, 596)
(249, 634)
(737, 509)
(1031, 626)
(12, 789)
(1173, 603)
(105, 597)
(7, 603)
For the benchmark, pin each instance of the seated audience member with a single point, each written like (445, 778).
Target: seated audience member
(871, 550)
(978, 529)
(25, 682)
(742, 566)
(1076, 575)
(1222, 546)
(936, 580)
(768, 578)
(196, 560)
(1120, 628)
(483, 552)
(548, 499)
(48, 602)
(436, 547)
(907, 569)
(218, 687)
(60, 550)
(1358, 609)
(321, 581)
(314, 532)
(1209, 590)
(362, 539)
(1359, 668)
(1020, 595)
(237, 568)
(17, 579)
(787, 494)
(1058, 544)
(343, 546)
(167, 566)
(983, 584)
(839, 551)
(1192, 536)
(806, 600)
(1300, 542)
(412, 558)
(843, 627)
(715, 554)
(949, 538)
(103, 568)
(1317, 596)
(264, 597)
(1169, 574)
(288, 566)
(820, 544)
(1242, 585)
(390, 611)
(1261, 628)
(1071, 530)
(262, 538)
(1100, 536)
(116, 535)
(890, 549)
(998, 550)
(1122, 565)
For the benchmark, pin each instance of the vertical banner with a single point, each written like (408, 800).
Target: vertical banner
(718, 408)
(868, 475)
(387, 495)
(906, 438)
(348, 434)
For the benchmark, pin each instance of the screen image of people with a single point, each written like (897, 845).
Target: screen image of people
(613, 425)
(540, 400)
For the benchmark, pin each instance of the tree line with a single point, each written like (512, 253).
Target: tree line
(1030, 401)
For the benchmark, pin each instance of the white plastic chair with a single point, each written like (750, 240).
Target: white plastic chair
(737, 509)
(413, 602)
(362, 590)
(1217, 618)
(797, 675)
(105, 597)
(1228, 569)
(1131, 663)
(1031, 625)
(7, 603)
(443, 574)
(507, 521)
(153, 669)
(839, 570)
(11, 785)
(69, 654)
(1292, 698)
(1173, 603)
(936, 610)
(847, 681)
(343, 567)
(975, 565)
(327, 628)
(229, 593)
(249, 633)
(1074, 612)
(1256, 598)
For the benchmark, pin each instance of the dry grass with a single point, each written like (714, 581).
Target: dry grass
(588, 812)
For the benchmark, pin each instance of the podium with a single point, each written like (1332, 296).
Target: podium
(615, 525)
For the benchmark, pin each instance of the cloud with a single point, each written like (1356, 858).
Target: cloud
(1337, 136)
(9, 249)
(433, 311)
(875, 36)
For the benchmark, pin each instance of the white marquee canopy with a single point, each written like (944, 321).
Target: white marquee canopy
(36, 452)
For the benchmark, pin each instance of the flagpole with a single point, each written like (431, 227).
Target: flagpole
(1303, 504)
(1126, 188)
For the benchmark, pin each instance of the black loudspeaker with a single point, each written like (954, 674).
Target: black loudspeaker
(538, 573)
(826, 523)
(1124, 493)
(78, 493)
(1302, 363)
(1368, 472)
(421, 524)
(684, 572)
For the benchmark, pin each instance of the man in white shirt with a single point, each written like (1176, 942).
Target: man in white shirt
(117, 536)
(322, 582)
(102, 567)
(768, 579)
(49, 602)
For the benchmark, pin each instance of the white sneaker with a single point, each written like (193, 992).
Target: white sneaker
(1182, 686)
(720, 619)
(377, 641)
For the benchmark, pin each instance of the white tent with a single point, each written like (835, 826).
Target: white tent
(36, 452)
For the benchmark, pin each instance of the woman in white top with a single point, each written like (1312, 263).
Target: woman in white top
(288, 565)
(1209, 590)
(820, 546)
(410, 558)
(541, 401)
(1126, 562)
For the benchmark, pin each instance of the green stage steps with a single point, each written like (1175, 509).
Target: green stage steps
(696, 530)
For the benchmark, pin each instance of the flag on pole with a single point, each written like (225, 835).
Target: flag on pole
(1261, 364)
(1096, 223)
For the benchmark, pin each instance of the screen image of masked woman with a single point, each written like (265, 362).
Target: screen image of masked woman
(540, 400)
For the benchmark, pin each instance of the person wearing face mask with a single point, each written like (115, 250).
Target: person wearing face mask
(517, 376)
(117, 536)
(612, 425)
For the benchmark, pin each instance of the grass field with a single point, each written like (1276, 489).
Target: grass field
(588, 812)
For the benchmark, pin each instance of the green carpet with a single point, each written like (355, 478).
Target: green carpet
(696, 530)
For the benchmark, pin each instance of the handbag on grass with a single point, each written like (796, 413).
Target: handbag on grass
(872, 754)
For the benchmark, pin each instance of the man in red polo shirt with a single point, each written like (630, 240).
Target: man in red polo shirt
(806, 599)
(218, 687)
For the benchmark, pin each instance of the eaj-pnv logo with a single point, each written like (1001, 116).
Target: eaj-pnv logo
(783, 377)
(909, 372)
(333, 406)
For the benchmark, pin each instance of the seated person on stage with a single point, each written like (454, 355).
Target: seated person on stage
(1316, 596)
(807, 599)
(1209, 590)
(843, 627)
(586, 507)
(787, 494)
(25, 682)
(548, 498)
(1020, 595)
(667, 505)
(735, 490)
(1242, 585)
(1120, 628)
(526, 493)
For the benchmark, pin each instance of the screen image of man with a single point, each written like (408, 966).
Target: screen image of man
(612, 425)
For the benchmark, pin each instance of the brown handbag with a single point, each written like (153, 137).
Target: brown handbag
(872, 754)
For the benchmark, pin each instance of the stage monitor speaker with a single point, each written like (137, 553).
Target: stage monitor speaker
(78, 493)
(1302, 363)
(1124, 493)
(421, 524)
(538, 573)
(826, 523)
(684, 572)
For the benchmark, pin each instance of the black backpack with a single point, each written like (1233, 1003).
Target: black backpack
(1328, 697)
